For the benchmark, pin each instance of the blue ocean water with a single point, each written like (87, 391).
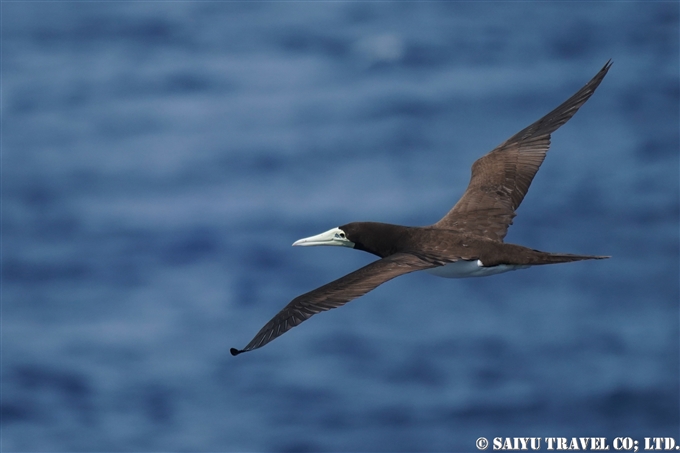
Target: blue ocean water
(158, 159)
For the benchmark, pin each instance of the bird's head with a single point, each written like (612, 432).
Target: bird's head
(371, 237)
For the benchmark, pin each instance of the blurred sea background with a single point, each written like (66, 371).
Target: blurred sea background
(159, 158)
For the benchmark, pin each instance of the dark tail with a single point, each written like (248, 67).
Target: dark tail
(554, 258)
(517, 254)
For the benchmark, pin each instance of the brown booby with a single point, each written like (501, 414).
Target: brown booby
(466, 242)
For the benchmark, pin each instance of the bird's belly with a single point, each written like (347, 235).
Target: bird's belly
(472, 268)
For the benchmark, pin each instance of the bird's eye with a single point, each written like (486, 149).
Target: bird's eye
(342, 235)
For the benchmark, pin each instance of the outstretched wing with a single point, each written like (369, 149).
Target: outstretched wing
(501, 179)
(337, 293)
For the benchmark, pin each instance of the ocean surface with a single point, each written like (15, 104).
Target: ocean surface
(160, 158)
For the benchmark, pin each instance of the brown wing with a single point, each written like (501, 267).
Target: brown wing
(501, 179)
(336, 294)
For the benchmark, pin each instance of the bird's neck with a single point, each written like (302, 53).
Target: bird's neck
(379, 238)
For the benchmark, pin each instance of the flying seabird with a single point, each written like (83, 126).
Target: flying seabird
(466, 242)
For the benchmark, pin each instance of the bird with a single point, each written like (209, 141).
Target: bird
(466, 242)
